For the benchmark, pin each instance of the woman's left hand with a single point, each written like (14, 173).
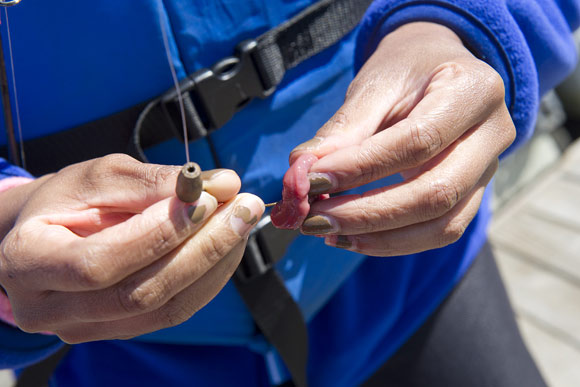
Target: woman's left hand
(422, 106)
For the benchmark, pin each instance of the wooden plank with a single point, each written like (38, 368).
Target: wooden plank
(568, 168)
(572, 154)
(557, 361)
(542, 296)
(555, 246)
(571, 159)
(559, 202)
(6, 378)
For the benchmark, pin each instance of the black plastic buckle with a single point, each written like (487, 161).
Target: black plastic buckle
(266, 246)
(213, 95)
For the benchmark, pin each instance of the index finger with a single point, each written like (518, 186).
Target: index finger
(66, 262)
(458, 98)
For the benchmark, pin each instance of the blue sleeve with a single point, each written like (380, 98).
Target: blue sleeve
(9, 170)
(19, 349)
(528, 42)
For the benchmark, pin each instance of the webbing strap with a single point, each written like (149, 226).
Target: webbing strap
(38, 375)
(306, 34)
(270, 303)
(279, 319)
(213, 95)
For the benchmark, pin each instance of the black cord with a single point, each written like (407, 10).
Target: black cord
(14, 154)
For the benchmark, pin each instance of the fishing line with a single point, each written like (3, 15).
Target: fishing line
(175, 81)
(15, 91)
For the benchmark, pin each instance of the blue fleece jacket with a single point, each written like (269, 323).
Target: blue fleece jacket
(360, 309)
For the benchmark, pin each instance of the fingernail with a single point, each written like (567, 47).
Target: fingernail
(320, 183)
(319, 224)
(211, 179)
(309, 145)
(215, 173)
(246, 213)
(340, 241)
(202, 209)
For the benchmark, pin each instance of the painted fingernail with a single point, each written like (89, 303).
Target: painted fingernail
(202, 209)
(309, 145)
(246, 213)
(320, 183)
(318, 225)
(340, 241)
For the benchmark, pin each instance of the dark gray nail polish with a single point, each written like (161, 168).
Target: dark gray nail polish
(318, 224)
(319, 184)
(196, 213)
(343, 242)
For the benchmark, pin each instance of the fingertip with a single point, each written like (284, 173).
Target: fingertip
(202, 208)
(223, 184)
(310, 146)
(247, 211)
(254, 202)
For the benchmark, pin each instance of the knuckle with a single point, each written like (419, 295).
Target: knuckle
(97, 171)
(370, 161)
(14, 253)
(493, 83)
(339, 119)
(452, 232)
(475, 75)
(176, 313)
(155, 176)
(88, 272)
(114, 165)
(13, 247)
(453, 70)
(423, 142)
(116, 159)
(109, 162)
(10, 250)
(214, 247)
(164, 234)
(442, 196)
(142, 298)
(369, 214)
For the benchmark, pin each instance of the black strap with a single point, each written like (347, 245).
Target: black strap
(308, 33)
(213, 95)
(38, 375)
(279, 319)
(272, 307)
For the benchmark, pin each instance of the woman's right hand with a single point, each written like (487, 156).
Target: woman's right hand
(104, 250)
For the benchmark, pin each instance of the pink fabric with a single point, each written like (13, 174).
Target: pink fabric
(6, 310)
(12, 182)
(5, 307)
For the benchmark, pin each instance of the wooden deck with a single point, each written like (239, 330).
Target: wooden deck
(536, 238)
